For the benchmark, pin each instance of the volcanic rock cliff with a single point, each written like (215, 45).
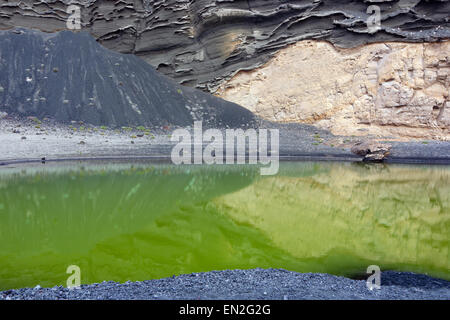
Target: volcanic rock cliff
(201, 42)
(396, 89)
(313, 61)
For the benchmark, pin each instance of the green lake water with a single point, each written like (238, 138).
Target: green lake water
(141, 221)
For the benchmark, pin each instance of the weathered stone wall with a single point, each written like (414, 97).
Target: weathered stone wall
(400, 89)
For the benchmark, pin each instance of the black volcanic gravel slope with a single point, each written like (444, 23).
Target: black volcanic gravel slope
(68, 76)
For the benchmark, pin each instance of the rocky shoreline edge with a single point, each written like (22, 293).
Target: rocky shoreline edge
(31, 140)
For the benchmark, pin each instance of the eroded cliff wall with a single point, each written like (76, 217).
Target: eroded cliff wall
(396, 89)
(313, 61)
(202, 42)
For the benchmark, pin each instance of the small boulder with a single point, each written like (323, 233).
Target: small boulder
(371, 151)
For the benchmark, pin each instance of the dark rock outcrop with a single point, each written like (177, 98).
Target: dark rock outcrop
(202, 42)
(371, 151)
(68, 76)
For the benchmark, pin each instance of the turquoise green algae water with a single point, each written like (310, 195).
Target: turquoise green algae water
(141, 221)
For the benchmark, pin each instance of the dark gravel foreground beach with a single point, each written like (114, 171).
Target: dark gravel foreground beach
(254, 284)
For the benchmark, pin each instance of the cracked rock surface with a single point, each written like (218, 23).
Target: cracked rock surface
(387, 89)
(200, 43)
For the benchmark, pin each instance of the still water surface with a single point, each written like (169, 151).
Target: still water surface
(141, 221)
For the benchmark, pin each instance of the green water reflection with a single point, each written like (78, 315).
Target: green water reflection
(144, 221)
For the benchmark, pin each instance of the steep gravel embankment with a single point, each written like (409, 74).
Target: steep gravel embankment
(69, 76)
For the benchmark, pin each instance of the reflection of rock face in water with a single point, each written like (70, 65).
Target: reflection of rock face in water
(391, 216)
(117, 223)
(107, 202)
(137, 223)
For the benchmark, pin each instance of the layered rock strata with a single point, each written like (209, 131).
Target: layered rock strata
(398, 89)
(203, 42)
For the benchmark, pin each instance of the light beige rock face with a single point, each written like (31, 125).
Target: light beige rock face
(385, 89)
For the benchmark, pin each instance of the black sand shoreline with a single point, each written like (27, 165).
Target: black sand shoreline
(283, 158)
(28, 142)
